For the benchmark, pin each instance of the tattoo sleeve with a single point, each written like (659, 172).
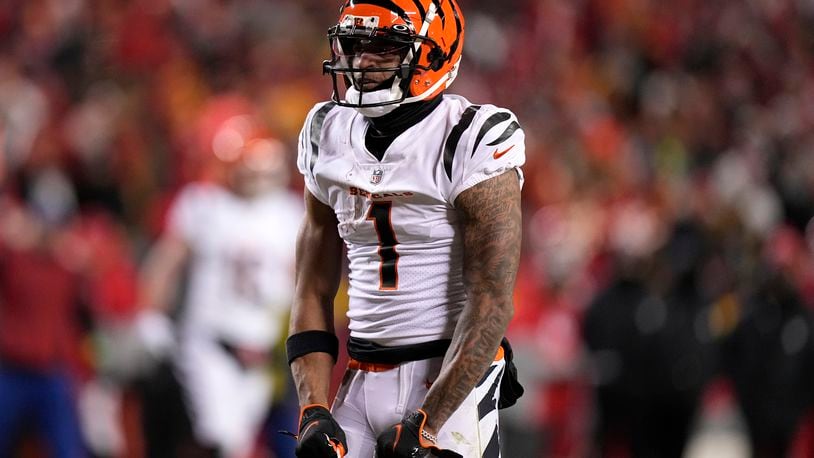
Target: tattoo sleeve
(491, 224)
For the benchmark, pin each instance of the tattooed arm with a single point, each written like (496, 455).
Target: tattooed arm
(491, 223)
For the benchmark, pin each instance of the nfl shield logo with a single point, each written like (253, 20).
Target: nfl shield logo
(376, 178)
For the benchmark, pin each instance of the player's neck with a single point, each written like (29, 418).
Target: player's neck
(403, 117)
(384, 129)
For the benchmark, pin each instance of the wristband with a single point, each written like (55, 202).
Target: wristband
(303, 343)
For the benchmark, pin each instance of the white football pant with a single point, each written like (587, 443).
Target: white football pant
(227, 402)
(371, 401)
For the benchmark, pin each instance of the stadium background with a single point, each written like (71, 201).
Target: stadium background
(669, 147)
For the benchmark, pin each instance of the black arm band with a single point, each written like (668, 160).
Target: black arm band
(306, 342)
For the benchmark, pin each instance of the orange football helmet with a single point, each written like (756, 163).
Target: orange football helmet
(426, 35)
(238, 152)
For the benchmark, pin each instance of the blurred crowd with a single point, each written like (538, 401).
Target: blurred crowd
(667, 281)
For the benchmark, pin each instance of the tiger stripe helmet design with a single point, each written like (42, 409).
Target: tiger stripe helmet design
(427, 36)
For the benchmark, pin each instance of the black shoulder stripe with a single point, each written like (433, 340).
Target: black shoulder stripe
(386, 4)
(455, 136)
(316, 127)
(506, 134)
(491, 122)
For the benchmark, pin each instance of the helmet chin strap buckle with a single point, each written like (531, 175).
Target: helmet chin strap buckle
(326, 67)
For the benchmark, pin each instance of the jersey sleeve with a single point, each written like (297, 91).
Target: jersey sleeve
(491, 145)
(308, 148)
(185, 213)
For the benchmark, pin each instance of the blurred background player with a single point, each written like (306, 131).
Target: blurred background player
(235, 232)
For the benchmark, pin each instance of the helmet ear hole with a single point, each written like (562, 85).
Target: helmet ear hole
(436, 58)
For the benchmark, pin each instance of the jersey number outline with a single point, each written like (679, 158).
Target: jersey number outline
(379, 213)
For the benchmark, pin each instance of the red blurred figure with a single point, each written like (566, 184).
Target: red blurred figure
(40, 298)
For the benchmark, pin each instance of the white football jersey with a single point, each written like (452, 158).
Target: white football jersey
(397, 215)
(241, 272)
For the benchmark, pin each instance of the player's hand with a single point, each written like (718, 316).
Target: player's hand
(320, 436)
(405, 440)
(155, 333)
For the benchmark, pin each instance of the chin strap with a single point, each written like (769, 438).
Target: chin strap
(354, 96)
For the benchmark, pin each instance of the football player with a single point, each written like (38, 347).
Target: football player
(423, 190)
(234, 233)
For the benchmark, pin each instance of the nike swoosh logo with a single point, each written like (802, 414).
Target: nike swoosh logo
(498, 154)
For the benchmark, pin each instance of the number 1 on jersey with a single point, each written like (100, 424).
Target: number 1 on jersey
(379, 213)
